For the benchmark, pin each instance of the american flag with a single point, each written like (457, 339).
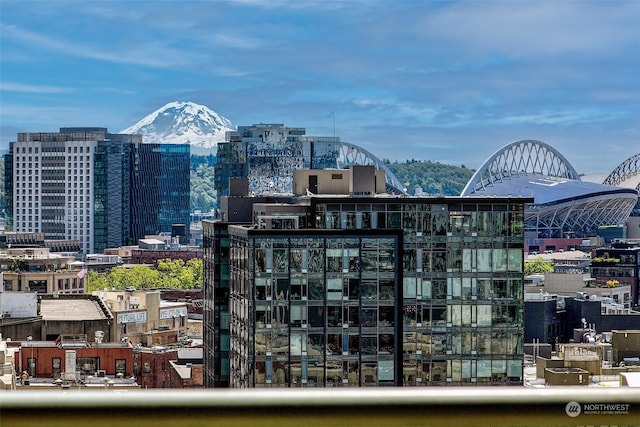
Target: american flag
(83, 272)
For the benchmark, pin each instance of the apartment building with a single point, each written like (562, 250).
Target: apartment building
(364, 290)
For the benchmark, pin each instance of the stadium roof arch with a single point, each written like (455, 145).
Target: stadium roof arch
(564, 205)
(351, 154)
(626, 175)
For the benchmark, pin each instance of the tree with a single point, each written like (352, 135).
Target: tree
(96, 281)
(139, 276)
(538, 266)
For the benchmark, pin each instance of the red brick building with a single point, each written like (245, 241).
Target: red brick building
(151, 257)
(187, 371)
(73, 354)
(186, 376)
(152, 366)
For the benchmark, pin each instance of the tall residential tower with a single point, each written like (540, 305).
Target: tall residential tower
(357, 288)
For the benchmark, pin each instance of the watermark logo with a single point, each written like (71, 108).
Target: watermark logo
(573, 409)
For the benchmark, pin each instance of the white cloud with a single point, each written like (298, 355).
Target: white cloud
(151, 53)
(532, 27)
(27, 88)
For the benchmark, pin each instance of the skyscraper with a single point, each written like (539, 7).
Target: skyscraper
(267, 155)
(96, 187)
(359, 291)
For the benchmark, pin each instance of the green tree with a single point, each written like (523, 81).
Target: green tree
(178, 274)
(172, 274)
(139, 276)
(538, 266)
(433, 177)
(96, 281)
(196, 266)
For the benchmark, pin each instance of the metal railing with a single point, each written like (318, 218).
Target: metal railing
(495, 406)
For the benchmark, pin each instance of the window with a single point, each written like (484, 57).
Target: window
(121, 366)
(88, 365)
(31, 366)
(55, 367)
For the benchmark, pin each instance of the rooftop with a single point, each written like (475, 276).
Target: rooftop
(550, 190)
(71, 310)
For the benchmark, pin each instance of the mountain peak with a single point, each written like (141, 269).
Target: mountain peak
(182, 123)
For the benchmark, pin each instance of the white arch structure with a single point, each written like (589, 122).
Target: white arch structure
(351, 154)
(518, 158)
(627, 174)
(576, 208)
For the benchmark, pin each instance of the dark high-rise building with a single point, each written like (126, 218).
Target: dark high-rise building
(364, 290)
(160, 197)
(102, 189)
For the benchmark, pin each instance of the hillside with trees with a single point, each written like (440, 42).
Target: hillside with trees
(434, 178)
(203, 194)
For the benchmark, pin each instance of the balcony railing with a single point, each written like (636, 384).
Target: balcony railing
(495, 406)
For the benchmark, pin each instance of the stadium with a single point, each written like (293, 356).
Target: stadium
(564, 205)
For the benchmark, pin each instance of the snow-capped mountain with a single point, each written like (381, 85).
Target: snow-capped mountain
(183, 123)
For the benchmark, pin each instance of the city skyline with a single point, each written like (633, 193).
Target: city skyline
(451, 82)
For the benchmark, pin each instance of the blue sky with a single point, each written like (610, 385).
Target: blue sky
(446, 81)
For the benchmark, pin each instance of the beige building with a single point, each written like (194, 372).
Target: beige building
(7, 366)
(357, 180)
(38, 270)
(141, 317)
(582, 286)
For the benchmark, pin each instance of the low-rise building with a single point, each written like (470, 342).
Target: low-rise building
(7, 366)
(74, 315)
(620, 266)
(626, 346)
(552, 318)
(152, 365)
(74, 357)
(141, 317)
(39, 270)
(592, 358)
(124, 252)
(19, 316)
(187, 371)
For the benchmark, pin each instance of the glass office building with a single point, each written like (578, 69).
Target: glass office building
(274, 151)
(378, 291)
(161, 196)
(102, 189)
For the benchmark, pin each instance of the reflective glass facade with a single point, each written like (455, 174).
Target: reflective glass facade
(104, 190)
(273, 151)
(317, 311)
(216, 336)
(380, 291)
(160, 197)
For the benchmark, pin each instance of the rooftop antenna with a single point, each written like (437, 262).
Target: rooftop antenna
(333, 115)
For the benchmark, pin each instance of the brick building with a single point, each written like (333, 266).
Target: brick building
(187, 371)
(152, 366)
(74, 355)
